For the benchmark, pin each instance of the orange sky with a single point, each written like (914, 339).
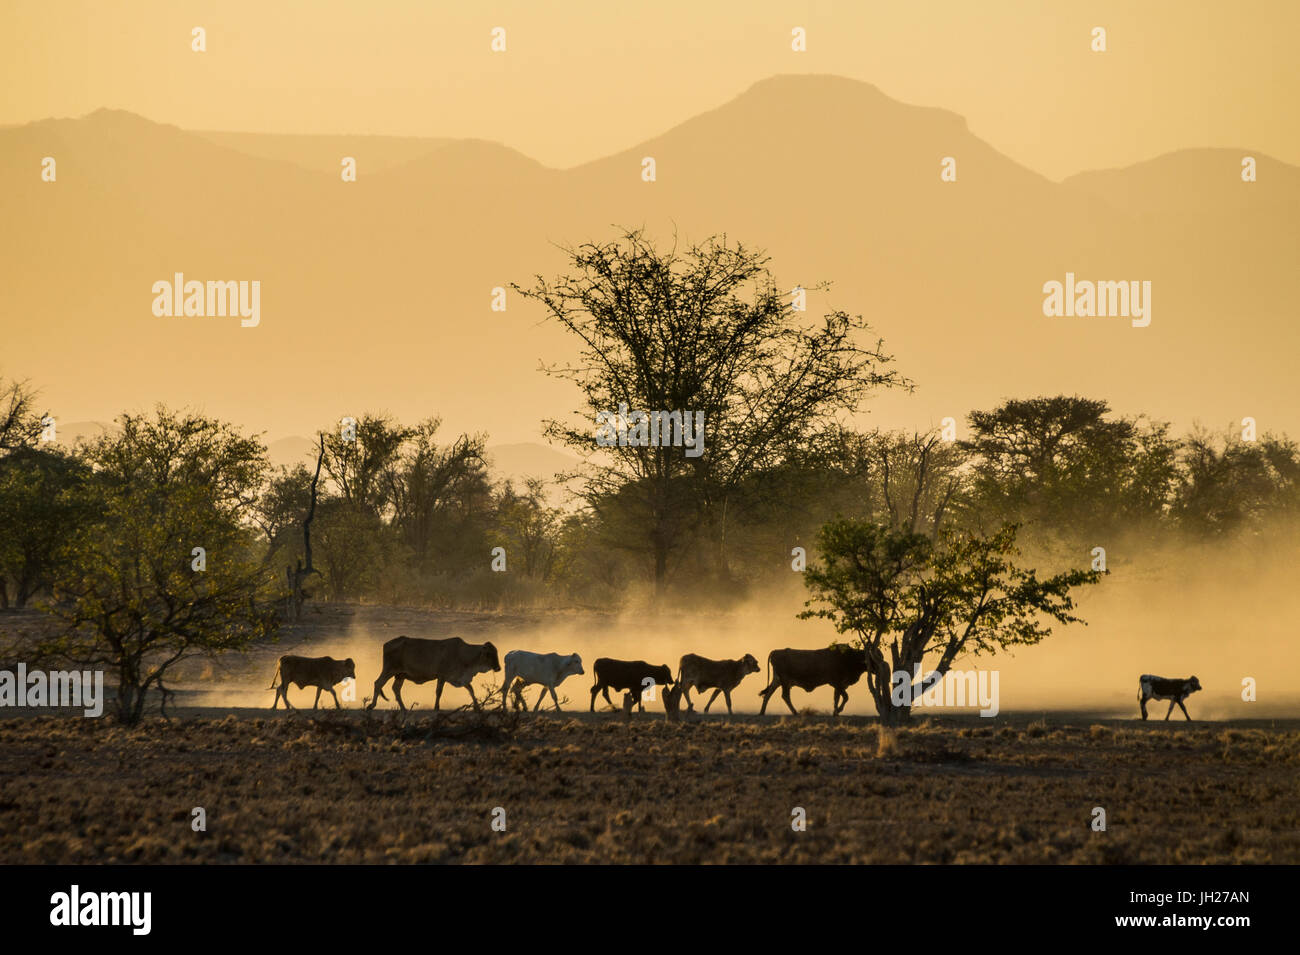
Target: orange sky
(581, 80)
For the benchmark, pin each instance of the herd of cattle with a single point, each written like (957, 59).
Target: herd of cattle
(455, 662)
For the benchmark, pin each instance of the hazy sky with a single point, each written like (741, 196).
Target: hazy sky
(580, 80)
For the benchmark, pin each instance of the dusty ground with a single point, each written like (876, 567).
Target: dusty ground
(346, 787)
(343, 787)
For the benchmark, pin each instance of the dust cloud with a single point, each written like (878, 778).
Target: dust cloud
(1222, 612)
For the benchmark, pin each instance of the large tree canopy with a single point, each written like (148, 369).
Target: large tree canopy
(707, 332)
(132, 591)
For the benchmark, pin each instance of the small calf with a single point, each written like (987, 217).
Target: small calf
(320, 672)
(1159, 688)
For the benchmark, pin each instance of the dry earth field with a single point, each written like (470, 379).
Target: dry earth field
(355, 788)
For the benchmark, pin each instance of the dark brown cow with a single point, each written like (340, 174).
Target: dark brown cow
(448, 661)
(320, 672)
(809, 669)
(720, 676)
(633, 675)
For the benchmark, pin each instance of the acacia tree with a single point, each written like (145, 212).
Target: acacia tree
(704, 330)
(1064, 464)
(133, 595)
(20, 425)
(437, 492)
(904, 595)
(531, 527)
(1227, 485)
(39, 506)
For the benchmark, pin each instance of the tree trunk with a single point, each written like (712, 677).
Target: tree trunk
(130, 698)
(301, 573)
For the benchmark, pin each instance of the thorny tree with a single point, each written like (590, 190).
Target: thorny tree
(700, 330)
(904, 596)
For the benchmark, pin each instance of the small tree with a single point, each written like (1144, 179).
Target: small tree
(134, 595)
(904, 596)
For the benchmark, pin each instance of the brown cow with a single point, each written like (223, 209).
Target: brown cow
(448, 661)
(808, 669)
(320, 672)
(720, 676)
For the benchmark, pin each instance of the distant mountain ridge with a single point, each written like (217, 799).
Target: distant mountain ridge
(376, 294)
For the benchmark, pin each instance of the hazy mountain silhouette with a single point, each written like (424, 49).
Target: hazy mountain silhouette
(323, 154)
(376, 294)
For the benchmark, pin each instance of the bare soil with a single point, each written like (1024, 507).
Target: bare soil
(352, 787)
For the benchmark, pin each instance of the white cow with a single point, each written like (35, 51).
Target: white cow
(548, 669)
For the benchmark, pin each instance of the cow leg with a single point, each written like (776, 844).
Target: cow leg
(437, 697)
(1184, 709)
(337, 704)
(472, 697)
(554, 699)
(284, 688)
(686, 694)
(1171, 708)
(397, 692)
(607, 699)
(379, 689)
(594, 690)
(1142, 702)
(540, 696)
(838, 703)
(275, 704)
(711, 700)
(317, 703)
(766, 695)
(785, 695)
(505, 686)
(726, 695)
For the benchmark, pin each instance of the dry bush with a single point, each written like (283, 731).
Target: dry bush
(887, 743)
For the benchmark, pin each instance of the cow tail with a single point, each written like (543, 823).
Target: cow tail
(769, 672)
(276, 677)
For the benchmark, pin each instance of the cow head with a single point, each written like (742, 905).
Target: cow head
(1193, 685)
(349, 668)
(572, 666)
(749, 664)
(663, 676)
(490, 655)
